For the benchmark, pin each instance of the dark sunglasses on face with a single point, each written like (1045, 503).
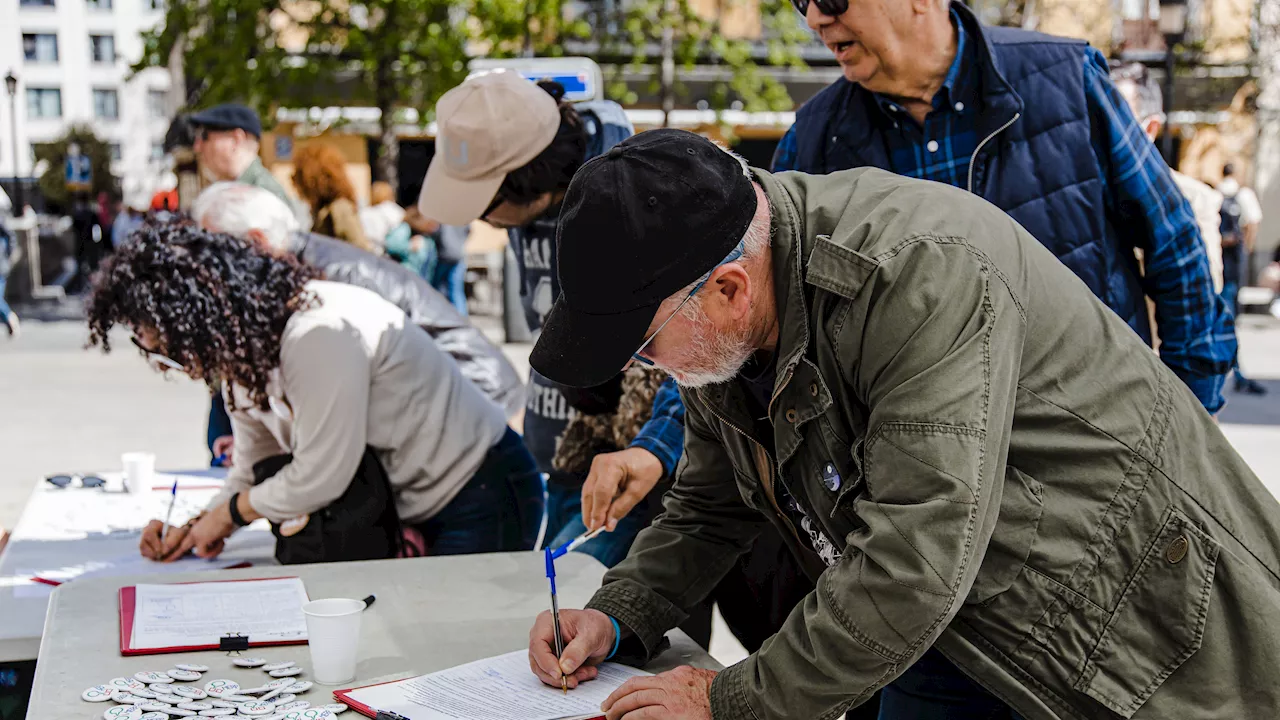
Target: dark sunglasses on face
(830, 8)
(85, 481)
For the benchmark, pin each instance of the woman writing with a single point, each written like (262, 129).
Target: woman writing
(331, 386)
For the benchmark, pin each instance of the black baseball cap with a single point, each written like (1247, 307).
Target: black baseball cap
(638, 224)
(228, 117)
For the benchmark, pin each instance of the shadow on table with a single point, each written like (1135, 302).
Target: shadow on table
(1245, 409)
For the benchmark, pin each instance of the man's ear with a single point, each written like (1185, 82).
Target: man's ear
(733, 287)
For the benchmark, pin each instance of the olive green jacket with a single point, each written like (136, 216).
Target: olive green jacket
(1021, 482)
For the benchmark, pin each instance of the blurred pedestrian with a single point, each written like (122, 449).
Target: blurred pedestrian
(382, 215)
(412, 244)
(1146, 101)
(226, 142)
(336, 402)
(133, 212)
(1033, 124)
(449, 271)
(320, 175)
(1239, 218)
(8, 244)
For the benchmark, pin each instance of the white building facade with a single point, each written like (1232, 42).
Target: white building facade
(72, 58)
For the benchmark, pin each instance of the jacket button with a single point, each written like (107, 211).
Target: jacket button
(791, 416)
(1177, 550)
(813, 389)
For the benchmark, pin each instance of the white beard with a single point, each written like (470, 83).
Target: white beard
(713, 357)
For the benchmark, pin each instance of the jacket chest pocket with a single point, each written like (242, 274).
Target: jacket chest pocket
(829, 470)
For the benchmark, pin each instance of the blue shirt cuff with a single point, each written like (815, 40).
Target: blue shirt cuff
(663, 435)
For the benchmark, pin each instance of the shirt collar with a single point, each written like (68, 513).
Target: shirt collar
(958, 84)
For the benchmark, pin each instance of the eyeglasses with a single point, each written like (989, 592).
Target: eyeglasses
(157, 361)
(84, 481)
(636, 356)
(830, 8)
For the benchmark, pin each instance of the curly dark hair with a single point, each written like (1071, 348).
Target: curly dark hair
(554, 167)
(219, 304)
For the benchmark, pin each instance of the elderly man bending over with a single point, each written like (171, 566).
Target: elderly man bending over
(1019, 507)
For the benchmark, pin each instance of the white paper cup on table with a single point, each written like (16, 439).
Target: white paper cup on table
(333, 632)
(139, 471)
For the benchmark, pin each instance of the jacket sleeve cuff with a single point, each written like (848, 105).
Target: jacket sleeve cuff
(729, 694)
(644, 612)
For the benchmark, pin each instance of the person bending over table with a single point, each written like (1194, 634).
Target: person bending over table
(327, 383)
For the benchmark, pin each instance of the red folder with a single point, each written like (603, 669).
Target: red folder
(128, 605)
(344, 697)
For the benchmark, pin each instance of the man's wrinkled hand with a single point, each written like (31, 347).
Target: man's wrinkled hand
(680, 694)
(618, 481)
(588, 638)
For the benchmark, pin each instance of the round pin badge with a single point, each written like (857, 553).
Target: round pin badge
(183, 675)
(300, 686)
(309, 714)
(217, 712)
(168, 699)
(295, 705)
(154, 706)
(192, 667)
(190, 692)
(122, 712)
(147, 693)
(278, 666)
(124, 697)
(151, 676)
(249, 662)
(336, 708)
(237, 699)
(179, 712)
(97, 693)
(197, 705)
(257, 708)
(154, 715)
(284, 698)
(219, 688)
(161, 688)
(129, 684)
(286, 672)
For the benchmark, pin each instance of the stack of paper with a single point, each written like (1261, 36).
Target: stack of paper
(498, 688)
(199, 615)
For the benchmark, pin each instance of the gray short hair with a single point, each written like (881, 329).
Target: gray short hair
(236, 208)
(1148, 100)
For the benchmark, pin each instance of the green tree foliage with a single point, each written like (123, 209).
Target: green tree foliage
(53, 180)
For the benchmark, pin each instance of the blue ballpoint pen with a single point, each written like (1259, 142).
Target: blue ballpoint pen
(551, 556)
(173, 496)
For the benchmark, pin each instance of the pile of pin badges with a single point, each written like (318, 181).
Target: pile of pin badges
(151, 695)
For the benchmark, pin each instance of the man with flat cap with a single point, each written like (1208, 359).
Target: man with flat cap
(227, 138)
(1017, 510)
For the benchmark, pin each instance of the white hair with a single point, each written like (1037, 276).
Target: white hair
(236, 208)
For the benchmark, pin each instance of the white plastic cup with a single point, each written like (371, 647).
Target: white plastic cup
(333, 632)
(139, 471)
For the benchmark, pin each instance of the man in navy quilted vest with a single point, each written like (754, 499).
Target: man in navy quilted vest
(1033, 124)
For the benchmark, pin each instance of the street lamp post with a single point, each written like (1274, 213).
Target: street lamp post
(11, 84)
(1173, 25)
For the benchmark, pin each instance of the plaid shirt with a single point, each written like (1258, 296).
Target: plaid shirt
(1197, 333)
(663, 435)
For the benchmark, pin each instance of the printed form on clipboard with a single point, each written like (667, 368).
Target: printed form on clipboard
(497, 688)
(198, 616)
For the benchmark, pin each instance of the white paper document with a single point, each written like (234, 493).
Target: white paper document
(498, 688)
(199, 614)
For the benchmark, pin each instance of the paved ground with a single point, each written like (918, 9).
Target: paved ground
(64, 408)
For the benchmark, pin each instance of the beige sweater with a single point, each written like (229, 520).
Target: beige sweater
(353, 371)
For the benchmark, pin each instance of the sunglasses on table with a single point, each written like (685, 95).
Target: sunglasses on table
(84, 481)
(157, 361)
(830, 8)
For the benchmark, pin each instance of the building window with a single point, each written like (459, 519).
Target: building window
(157, 151)
(40, 47)
(36, 3)
(98, 4)
(156, 104)
(44, 103)
(116, 153)
(106, 104)
(102, 48)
